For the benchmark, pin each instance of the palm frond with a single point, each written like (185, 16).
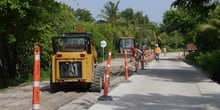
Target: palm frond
(103, 16)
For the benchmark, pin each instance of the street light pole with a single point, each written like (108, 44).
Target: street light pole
(103, 45)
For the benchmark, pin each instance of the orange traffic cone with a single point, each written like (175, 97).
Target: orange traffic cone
(126, 67)
(36, 83)
(105, 97)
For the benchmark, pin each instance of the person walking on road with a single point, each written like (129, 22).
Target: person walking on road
(164, 51)
(157, 52)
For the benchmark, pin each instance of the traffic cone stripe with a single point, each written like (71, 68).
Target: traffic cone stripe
(107, 76)
(36, 83)
(108, 65)
(36, 106)
(37, 57)
(109, 53)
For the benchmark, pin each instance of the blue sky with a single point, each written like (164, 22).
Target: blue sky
(153, 8)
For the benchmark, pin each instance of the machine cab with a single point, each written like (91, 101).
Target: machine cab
(126, 43)
(72, 42)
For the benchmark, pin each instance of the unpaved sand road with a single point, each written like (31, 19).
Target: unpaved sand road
(20, 98)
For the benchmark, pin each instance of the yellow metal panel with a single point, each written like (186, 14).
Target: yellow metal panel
(94, 53)
(90, 67)
(84, 70)
(53, 68)
(57, 76)
(87, 65)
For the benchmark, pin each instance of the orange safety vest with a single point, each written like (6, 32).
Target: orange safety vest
(157, 50)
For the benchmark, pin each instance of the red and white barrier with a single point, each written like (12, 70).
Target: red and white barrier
(107, 73)
(136, 63)
(146, 56)
(36, 82)
(105, 97)
(153, 55)
(126, 64)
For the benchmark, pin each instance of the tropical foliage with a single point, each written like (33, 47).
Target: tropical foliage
(199, 24)
(24, 25)
(27, 23)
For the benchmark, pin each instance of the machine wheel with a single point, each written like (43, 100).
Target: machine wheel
(96, 85)
(102, 69)
(103, 72)
(54, 87)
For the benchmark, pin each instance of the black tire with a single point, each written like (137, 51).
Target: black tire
(54, 87)
(96, 85)
(103, 73)
(102, 69)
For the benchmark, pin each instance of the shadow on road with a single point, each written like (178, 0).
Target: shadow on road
(165, 102)
(170, 59)
(186, 75)
(174, 70)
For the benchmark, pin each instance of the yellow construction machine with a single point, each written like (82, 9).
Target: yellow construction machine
(74, 62)
(124, 44)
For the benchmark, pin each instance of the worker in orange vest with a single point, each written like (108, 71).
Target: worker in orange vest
(157, 52)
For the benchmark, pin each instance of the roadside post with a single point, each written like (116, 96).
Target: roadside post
(150, 56)
(142, 60)
(153, 55)
(136, 63)
(179, 50)
(105, 97)
(146, 56)
(103, 45)
(36, 82)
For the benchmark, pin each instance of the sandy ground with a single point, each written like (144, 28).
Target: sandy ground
(20, 98)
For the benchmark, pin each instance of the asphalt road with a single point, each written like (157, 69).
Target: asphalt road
(169, 84)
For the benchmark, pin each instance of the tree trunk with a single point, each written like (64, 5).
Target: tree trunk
(9, 62)
(14, 60)
(3, 66)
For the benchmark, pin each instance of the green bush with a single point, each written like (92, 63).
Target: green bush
(210, 62)
(45, 74)
(11, 82)
(191, 58)
(169, 49)
(102, 32)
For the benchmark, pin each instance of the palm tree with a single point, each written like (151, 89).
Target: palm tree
(128, 16)
(138, 24)
(110, 12)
